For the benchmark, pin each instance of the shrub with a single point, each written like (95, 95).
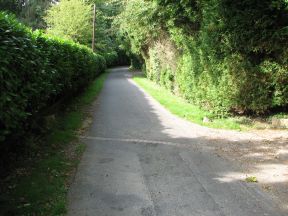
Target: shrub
(231, 57)
(36, 71)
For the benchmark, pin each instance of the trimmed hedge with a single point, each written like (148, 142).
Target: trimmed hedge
(36, 71)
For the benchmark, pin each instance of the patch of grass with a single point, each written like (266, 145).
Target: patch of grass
(183, 109)
(40, 185)
(92, 91)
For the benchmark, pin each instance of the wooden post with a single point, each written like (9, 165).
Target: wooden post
(93, 33)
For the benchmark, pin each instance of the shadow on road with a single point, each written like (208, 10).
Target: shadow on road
(141, 160)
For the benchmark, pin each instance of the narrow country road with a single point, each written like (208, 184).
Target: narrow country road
(143, 161)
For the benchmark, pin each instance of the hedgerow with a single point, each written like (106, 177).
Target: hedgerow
(36, 71)
(116, 58)
(227, 56)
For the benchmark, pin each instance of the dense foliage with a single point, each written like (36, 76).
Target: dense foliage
(72, 19)
(37, 71)
(224, 55)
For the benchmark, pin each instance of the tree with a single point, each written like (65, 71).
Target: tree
(11, 6)
(70, 19)
(29, 12)
(32, 12)
(138, 24)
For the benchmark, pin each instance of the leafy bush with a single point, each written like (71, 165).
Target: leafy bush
(229, 56)
(36, 71)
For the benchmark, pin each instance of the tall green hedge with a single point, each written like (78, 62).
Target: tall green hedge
(117, 57)
(36, 71)
(229, 56)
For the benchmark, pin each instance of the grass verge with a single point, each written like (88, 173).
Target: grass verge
(183, 109)
(39, 186)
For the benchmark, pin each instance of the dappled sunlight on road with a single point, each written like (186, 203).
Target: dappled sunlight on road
(230, 177)
(262, 154)
(271, 173)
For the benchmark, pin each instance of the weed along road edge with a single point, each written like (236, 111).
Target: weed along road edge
(142, 160)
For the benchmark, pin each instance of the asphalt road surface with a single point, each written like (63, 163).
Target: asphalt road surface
(143, 161)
